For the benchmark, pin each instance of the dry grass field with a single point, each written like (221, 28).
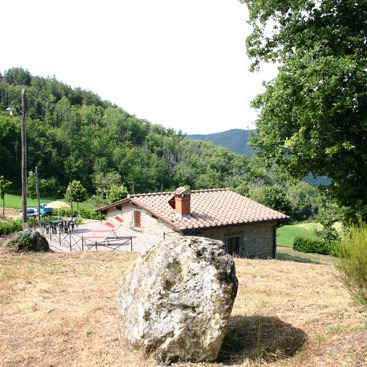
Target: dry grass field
(60, 309)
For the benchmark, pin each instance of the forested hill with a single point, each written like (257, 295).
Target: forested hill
(73, 134)
(235, 139)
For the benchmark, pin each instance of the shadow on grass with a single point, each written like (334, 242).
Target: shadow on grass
(259, 338)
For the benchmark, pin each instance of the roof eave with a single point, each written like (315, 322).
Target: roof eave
(273, 220)
(112, 205)
(164, 219)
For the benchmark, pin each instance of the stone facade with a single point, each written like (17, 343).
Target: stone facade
(148, 223)
(249, 240)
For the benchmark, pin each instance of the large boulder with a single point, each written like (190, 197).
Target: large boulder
(175, 300)
(28, 240)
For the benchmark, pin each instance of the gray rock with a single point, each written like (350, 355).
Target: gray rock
(175, 300)
(28, 240)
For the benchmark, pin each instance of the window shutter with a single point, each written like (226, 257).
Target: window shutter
(137, 219)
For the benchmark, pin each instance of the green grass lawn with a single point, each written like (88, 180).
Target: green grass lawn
(286, 234)
(15, 201)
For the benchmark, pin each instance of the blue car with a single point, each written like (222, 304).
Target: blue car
(45, 211)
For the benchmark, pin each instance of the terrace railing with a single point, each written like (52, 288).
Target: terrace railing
(74, 240)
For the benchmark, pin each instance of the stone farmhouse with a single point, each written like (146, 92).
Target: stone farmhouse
(247, 228)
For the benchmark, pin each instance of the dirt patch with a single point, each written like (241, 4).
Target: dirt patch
(10, 213)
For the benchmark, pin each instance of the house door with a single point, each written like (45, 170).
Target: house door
(233, 246)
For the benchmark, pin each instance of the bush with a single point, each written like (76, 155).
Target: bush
(352, 264)
(91, 214)
(10, 226)
(308, 245)
(87, 214)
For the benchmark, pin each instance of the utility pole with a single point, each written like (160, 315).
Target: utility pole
(24, 163)
(38, 195)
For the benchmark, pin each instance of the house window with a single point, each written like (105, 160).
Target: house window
(137, 219)
(233, 245)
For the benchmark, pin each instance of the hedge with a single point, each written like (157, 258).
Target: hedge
(10, 226)
(315, 246)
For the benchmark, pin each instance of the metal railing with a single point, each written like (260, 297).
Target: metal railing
(73, 240)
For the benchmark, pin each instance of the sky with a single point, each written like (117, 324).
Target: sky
(179, 64)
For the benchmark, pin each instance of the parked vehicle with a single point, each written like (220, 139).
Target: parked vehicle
(45, 211)
(31, 212)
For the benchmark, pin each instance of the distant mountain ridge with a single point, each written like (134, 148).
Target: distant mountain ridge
(235, 139)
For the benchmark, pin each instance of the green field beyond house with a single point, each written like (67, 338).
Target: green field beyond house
(286, 234)
(15, 201)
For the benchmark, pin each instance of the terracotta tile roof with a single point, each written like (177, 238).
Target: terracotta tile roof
(209, 208)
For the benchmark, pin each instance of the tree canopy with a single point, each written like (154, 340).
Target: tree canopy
(313, 115)
(77, 140)
(73, 135)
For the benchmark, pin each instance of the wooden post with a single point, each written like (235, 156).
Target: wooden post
(24, 163)
(38, 195)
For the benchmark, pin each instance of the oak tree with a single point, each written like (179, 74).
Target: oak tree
(313, 115)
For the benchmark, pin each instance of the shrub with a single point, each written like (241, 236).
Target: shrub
(352, 263)
(10, 226)
(91, 214)
(33, 222)
(87, 214)
(308, 245)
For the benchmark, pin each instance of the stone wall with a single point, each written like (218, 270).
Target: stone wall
(256, 240)
(149, 223)
(153, 225)
(123, 213)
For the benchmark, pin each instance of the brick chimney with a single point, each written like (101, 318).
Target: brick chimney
(181, 202)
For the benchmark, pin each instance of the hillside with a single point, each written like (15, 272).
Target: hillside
(60, 309)
(235, 139)
(73, 134)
